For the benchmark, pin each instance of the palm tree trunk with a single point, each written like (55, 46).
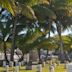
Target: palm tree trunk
(62, 56)
(4, 46)
(47, 55)
(13, 37)
(49, 35)
(59, 29)
(40, 61)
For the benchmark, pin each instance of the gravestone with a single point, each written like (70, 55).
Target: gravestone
(66, 62)
(16, 67)
(29, 66)
(7, 68)
(51, 68)
(43, 64)
(69, 67)
(20, 65)
(11, 64)
(4, 65)
(39, 68)
(58, 63)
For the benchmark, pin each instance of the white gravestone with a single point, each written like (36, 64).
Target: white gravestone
(7, 68)
(4, 65)
(16, 67)
(19, 65)
(69, 67)
(11, 64)
(51, 69)
(16, 58)
(39, 68)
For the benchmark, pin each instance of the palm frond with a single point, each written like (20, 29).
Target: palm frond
(28, 12)
(34, 36)
(9, 5)
(32, 2)
(43, 12)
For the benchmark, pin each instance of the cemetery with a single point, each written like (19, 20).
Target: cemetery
(35, 35)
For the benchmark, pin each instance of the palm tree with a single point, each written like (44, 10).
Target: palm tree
(5, 29)
(13, 8)
(33, 38)
(20, 7)
(63, 12)
(55, 10)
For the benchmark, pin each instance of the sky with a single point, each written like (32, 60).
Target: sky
(66, 32)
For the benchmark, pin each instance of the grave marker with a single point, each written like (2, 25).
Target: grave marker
(69, 67)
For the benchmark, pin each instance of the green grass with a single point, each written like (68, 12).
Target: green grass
(59, 68)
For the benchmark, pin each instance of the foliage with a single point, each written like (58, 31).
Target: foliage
(45, 12)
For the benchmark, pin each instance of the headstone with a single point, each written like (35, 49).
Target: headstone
(54, 64)
(7, 68)
(16, 67)
(22, 63)
(51, 68)
(43, 64)
(19, 65)
(39, 68)
(11, 63)
(66, 62)
(4, 63)
(69, 67)
(27, 58)
(29, 66)
(58, 63)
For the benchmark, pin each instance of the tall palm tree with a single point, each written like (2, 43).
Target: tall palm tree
(5, 29)
(33, 38)
(63, 12)
(17, 7)
(55, 10)
(14, 8)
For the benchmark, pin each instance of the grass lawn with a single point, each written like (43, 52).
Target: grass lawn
(59, 68)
